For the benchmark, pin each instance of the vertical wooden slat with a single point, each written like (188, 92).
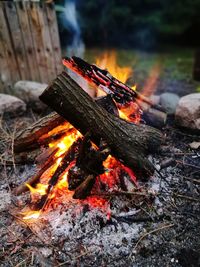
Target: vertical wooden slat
(29, 42)
(21, 7)
(9, 68)
(5, 77)
(53, 28)
(46, 40)
(38, 45)
(16, 39)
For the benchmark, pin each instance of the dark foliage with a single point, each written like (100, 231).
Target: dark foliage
(140, 23)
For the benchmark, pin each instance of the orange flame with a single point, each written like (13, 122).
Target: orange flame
(109, 61)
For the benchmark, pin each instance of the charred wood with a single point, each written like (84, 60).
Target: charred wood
(34, 179)
(27, 139)
(128, 142)
(67, 159)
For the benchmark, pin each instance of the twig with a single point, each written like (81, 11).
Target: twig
(13, 233)
(76, 258)
(149, 233)
(12, 148)
(187, 164)
(195, 181)
(116, 193)
(186, 197)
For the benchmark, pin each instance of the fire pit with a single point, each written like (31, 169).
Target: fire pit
(91, 151)
(97, 196)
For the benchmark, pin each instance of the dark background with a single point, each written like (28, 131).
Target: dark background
(139, 23)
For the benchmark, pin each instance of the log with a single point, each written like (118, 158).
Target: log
(130, 143)
(28, 138)
(34, 179)
(38, 135)
(154, 118)
(68, 158)
(89, 165)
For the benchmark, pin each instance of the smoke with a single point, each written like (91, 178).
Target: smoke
(69, 21)
(75, 47)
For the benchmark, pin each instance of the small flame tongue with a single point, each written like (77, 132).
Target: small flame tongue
(114, 167)
(109, 61)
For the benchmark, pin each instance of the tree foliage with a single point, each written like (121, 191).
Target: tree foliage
(128, 22)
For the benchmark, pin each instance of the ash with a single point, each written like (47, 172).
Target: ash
(157, 228)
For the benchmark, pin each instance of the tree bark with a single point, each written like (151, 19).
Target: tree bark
(130, 143)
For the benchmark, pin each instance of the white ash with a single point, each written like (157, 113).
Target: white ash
(77, 224)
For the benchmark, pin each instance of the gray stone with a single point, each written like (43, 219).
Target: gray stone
(188, 112)
(29, 92)
(194, 145)
(11, 105)
(155, 99)
(169, 102)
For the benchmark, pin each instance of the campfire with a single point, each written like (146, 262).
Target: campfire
(89, 146)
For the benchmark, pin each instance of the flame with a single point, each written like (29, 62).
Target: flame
(39, 189)
(29, 215)
(109, 61)
(130, 113)
(152, 80)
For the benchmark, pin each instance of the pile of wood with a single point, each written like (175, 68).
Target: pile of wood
(98, 123)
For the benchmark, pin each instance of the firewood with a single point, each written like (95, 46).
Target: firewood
(34, 179)
(89, 165)
(28, 138)
(101, 78)
(154, 117)
(69, 156)
(36, 135)
(84, 189)
(130, 143)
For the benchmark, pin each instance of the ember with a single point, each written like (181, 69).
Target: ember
(82, 166)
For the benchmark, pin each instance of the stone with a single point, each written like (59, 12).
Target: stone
(194, 145)
(155, 99)
(188, 112)
(169, 102)
(11, 105)
(29, 92)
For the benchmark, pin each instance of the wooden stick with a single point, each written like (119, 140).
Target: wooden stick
(34, 179)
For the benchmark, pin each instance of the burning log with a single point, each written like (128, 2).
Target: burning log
(120, 92)
(34, 179)
(154, 117)
(89, 165)
(68, 158)
(28, 139)
(128, 142)
(38, 135)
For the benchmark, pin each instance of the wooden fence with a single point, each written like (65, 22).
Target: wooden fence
(29, 42)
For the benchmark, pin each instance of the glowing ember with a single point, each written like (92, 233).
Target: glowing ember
(31, 215)
(68, 135)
